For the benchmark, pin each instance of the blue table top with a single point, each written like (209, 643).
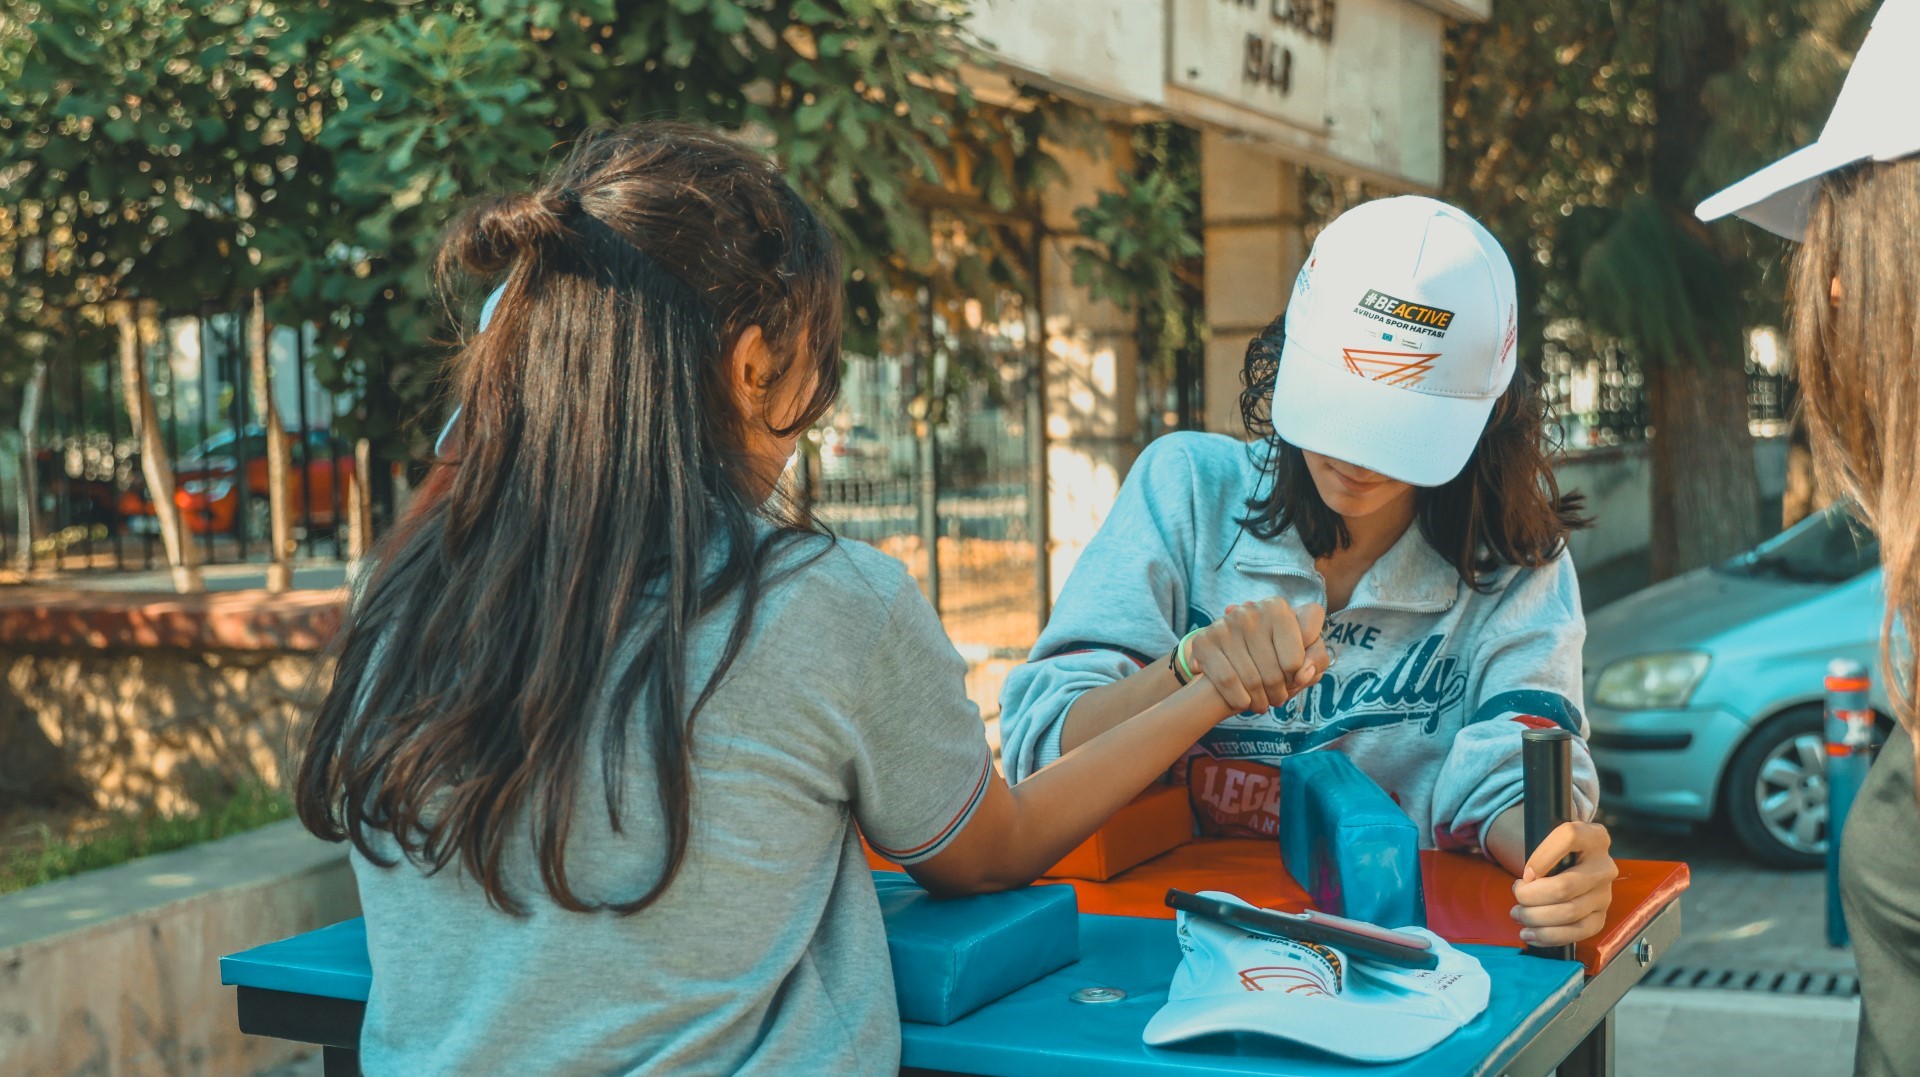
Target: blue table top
(331, 962)
(1038, 1031)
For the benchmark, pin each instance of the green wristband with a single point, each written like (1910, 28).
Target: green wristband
(1180, 654)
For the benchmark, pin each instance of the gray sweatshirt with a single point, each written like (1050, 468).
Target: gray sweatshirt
(1432, 681)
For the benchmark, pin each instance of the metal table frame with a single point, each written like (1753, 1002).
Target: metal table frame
(1578, 1042)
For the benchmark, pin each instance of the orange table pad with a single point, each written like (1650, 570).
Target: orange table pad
(1469, 899)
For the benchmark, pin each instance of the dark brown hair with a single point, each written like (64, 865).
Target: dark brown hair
(1504, 508)
(539, 595)
(1858, 356)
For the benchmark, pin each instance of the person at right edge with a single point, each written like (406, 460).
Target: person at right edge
(1852, 202)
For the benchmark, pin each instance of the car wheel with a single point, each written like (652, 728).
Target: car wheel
(1775, 791)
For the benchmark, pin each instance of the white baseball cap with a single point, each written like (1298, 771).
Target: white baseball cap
(1875, 119)
(1232, 980)
(1399, 338)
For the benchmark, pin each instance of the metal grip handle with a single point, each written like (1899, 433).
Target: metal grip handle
(1546, 765)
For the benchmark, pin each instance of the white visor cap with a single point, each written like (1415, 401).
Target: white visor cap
(1876, 118)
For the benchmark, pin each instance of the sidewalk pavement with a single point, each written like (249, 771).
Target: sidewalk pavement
(1663, 1032)
(1739, 919)
(307, 576)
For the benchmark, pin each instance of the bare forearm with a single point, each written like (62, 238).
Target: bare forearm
(1100, 709)
(1021, 832)
(1505, 840)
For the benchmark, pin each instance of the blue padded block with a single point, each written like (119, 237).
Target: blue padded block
(949, 957)
(1346, 842)
(953, 956)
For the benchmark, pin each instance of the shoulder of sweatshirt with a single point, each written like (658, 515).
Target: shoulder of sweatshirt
(1186, 459)
(1523, 598)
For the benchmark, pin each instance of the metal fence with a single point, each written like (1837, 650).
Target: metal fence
(92, 505)
(955, 502)
(1599, 396)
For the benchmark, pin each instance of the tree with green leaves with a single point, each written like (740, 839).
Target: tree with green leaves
(860, 100)
(1584, 134)
(181, 155)
(160, 163)
(1146, 254)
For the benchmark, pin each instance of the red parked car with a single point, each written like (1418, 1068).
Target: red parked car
(211, 496)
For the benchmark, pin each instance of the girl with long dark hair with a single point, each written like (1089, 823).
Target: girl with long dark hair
(608, 722)
(1391, 544)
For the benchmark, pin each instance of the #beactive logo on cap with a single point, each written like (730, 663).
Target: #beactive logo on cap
(1414, 328)
(1403, 367)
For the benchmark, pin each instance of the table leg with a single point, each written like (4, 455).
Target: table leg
(339, 1062)
(1594, 1056)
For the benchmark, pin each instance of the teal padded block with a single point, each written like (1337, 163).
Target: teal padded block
(1346, 842)
(952, 956)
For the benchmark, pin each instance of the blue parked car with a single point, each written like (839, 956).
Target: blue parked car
(1705, 693)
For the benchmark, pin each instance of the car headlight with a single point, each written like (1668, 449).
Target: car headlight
(1647, 681)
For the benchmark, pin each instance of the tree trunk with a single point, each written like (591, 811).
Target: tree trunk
(360, 502)
(279, 472)
(29, 522)
(1706, 496)
(154, 461)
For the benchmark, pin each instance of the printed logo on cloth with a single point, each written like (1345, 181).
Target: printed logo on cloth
(1319, 970)
(1234, 798)
(1382, 307)
(1394, 368)
(1235, 980)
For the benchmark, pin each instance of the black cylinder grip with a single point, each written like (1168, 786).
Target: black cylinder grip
(1546, 765)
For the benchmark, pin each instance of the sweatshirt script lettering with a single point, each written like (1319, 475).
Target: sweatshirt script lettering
(1421, 686)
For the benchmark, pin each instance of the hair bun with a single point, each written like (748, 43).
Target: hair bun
(495, 234)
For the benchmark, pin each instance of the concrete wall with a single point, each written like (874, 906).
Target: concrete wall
(1355, 86)
(1251, 208)
(1618, 485)
(1092, 365)
(116, 972)
(147, 730)
(142, 701)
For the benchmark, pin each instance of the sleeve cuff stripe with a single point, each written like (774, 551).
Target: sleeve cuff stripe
(928, 848)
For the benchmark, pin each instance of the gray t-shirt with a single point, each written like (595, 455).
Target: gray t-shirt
(846, 705)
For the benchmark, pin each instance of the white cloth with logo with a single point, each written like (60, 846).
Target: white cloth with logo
(1237, 981)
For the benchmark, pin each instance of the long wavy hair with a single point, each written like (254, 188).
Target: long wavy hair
(1857, 350)
(540, 592)
(1504, 508)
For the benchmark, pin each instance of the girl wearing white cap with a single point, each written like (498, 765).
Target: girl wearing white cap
(608, 721)
(1852, 199)
(1397, 481)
